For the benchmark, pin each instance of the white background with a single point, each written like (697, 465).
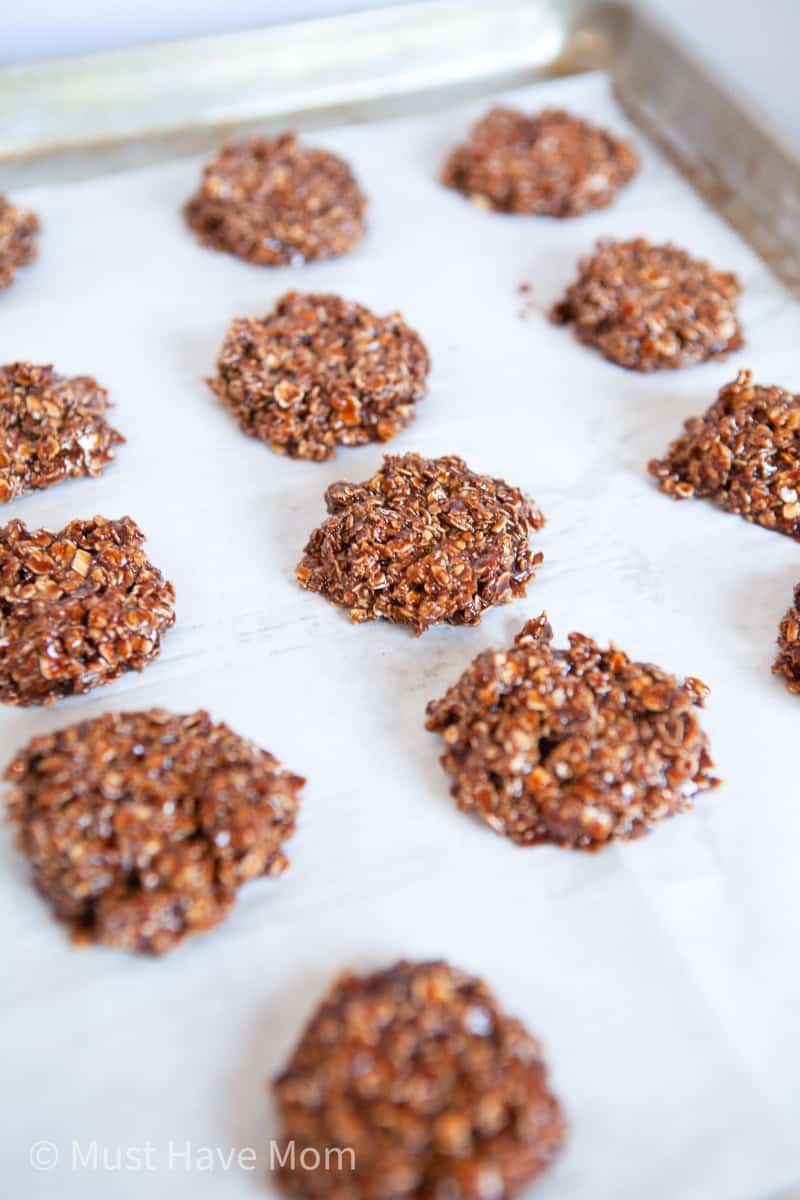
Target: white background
(662, 975)
(752, 43)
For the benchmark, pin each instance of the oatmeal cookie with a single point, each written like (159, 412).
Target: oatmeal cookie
(577, 747)
(744, 455)
(320, 372)
(418, 1072)
(651, 307)
(140, 827)
(549, 163)
(787, 662)
(18, 232)
(423, 540)
(275, 202)
(78, 608)
(51, 429)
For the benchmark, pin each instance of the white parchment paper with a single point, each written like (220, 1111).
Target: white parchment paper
(663, 976)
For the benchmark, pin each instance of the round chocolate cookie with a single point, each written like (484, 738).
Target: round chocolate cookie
(412, 1082)
(275, 202)
(423, 540)
(51, 428)
(548, 163)
(650, 307)
(141, 826)
(18, 232)
(787, 662)
(318, 372)
(77, 608)
(743, 454)
(577, 747)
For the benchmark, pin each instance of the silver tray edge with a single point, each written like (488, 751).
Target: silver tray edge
(81, 117)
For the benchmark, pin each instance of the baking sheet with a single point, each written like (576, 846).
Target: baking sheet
(663, 976)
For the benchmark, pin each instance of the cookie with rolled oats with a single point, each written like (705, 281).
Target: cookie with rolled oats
(319, 372)
(424, 540)
(413, 1082)
(743, 454)
(18, 230)
(51, 429)
(78, 608)
(549, 163)
(787, 661)
(649, 307)
(142, 826)
(275, 202)
(578, 747)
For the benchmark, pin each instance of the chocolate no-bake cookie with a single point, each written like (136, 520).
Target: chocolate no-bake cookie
(650, 307)
(787, 662)
(141, 826)
(744, 455)
(51, 428)
(548, 163)
(318, 372)
(576, 747)
(18, 232)
(275, 201)
(78, 608)
(423, 540)
(413, 1082)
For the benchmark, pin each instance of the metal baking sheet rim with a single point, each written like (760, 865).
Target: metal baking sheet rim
(86, 116)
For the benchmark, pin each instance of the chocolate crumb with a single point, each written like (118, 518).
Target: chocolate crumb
(275, 202)
(78, 608)
(140, 827)
(18, 232)
(577, 747)
(787, 662)
(651, 307)
(743, 454)
(548, 164)
(51, 429)
(435, 1092)
(320, 372)
(528, 306)
(423, 540)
